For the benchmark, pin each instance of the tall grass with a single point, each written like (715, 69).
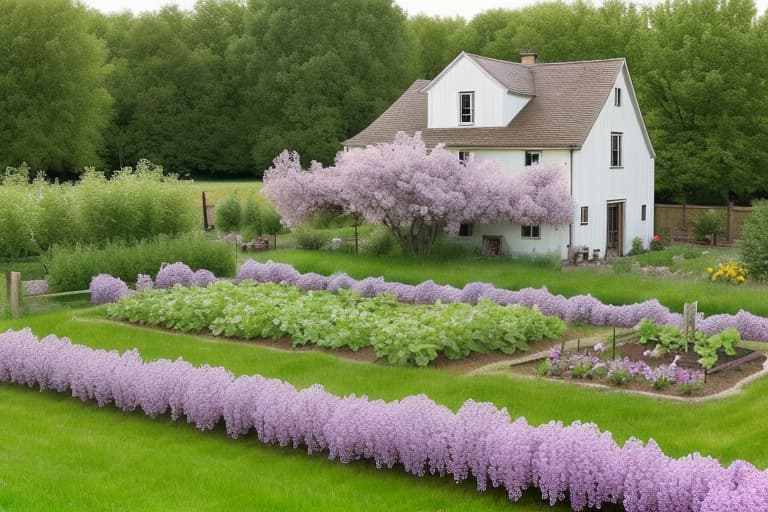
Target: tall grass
(71, 268)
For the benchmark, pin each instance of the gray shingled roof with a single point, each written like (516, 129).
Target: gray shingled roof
(514, 76)
(567, 99)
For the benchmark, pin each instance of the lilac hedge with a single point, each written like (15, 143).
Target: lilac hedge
(574, 462)
(580, 308)
(105, 289)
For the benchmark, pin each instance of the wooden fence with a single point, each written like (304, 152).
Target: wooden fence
(675, 222)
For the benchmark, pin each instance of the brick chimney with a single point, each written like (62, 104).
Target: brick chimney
(528, 57)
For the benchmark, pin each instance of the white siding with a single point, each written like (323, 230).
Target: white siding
(494, 106)
(595, 183)
(553, 239)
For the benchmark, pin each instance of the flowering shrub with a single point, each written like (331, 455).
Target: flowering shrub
(733, 273)
(577, 462)
(175, 273)
(144, 282)
(580, 308)
(656, 244)
(105, 289)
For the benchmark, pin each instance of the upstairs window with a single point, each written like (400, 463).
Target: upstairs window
(464, 157)
(532, 158)
(616, 141)
(584, 215)
(617, 96)
(531, 232)
(467, 107)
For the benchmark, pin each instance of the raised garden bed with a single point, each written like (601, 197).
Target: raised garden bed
(729, 371)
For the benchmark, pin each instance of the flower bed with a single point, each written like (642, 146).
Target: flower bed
(575, 462)
(404, 334)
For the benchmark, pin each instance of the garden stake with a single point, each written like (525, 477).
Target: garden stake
(578, 345)
(614, 343)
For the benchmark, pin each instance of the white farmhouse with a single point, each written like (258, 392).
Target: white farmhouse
(583, 116)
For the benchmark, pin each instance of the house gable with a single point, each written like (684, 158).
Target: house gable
(476, 92)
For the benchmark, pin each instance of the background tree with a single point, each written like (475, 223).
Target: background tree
(417, 194)
(52, 86)
(434, 43)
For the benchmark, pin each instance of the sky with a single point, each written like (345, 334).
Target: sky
(465, 8)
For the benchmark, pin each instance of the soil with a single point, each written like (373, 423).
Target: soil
(716, 382)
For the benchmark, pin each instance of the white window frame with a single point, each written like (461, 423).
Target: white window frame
(584, 214)
(530, 232)
(470, 115)
(529, 158)
(617, 141)
(617, 96)
(643, 212)
(465, 157)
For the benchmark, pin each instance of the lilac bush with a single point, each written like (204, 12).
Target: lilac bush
(576, 463)
(203, 278)
(173, 274)
(580, 308)
(35, 287)
(105, 289)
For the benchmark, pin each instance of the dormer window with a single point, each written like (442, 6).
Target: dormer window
(617, 96)
(467, 107)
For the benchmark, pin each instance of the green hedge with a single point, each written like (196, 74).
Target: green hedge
(71, 268)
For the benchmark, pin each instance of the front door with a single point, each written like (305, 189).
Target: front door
(615, 234)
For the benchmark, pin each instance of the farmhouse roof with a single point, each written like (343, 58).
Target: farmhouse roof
(566, 99)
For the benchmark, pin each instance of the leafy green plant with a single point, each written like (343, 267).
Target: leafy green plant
(708, 225)
(708, 348)
(637, 246)
(379, 243)
(251, 226)
(404, 334)
(307, 238)
(229, 214)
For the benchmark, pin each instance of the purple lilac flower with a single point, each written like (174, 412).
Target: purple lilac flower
(105, 289)
(203, 278)
(35, 287)
(173, 274)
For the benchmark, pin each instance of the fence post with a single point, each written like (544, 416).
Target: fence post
(729, 222)
(205, 214)
(14, 293)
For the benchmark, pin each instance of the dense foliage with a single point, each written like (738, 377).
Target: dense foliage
(671, 339)
(754, 240)
(579, 308)
(131, 205)
(577, 462)
(71, 268)
(416, 193)
(55, 104)
(224, 87)
(404, 334)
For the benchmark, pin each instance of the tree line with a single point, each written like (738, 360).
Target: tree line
(222, 89)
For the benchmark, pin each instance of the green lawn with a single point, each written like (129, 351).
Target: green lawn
(217, 189)
(602, 282)
(60, 454)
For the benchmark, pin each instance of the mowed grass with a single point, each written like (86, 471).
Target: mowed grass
(60, 454)
(602, 283)
(216, 190)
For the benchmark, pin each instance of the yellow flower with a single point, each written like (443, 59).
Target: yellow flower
(710, 270)
(740, 279)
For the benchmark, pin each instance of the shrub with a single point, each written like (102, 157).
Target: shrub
(19, 211)
(251, 222)
(754, 240)
(71, 268)
(637, 246)
(173, 274)
(379, 243)
(310, 239)
(228, 214)
(106, 289)
(657, 243)
(708, 225)
(733, 273)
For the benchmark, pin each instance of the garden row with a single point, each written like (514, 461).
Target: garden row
(580, 308)
(403, 333)
(575, 462)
